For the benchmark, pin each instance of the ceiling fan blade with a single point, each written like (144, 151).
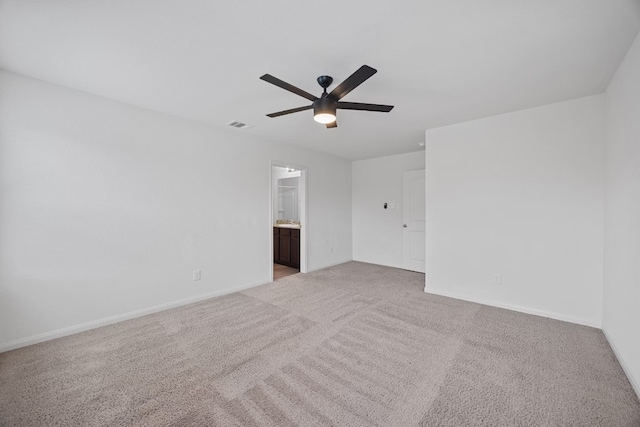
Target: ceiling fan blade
(352, 82)
(286, 86)
(293, 110)
(364, 107)
(333, 124)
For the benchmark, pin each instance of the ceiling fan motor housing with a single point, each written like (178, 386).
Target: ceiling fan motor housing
(324, 105)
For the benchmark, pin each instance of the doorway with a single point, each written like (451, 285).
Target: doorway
(413, 221)
(288, 220)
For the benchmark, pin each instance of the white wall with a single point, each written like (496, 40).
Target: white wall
(520, 195)
(621, 317)
(106, 209)
(377, 232)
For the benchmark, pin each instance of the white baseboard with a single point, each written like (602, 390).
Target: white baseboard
(47, 336)
(518, 308)
(634, 383)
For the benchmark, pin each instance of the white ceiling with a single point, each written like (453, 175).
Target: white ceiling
(439, 62)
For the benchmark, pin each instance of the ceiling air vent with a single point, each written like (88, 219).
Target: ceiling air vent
(238, 125)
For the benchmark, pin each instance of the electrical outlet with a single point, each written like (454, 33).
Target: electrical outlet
(330, 250)
(197, 275)
(497, 279)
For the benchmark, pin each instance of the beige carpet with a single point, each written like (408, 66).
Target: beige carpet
(352, 345)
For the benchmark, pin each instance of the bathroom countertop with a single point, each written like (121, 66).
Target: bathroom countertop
(287, 225)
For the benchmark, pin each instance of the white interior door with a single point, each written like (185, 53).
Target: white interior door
(413, 218)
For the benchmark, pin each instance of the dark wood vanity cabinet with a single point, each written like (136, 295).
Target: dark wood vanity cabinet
(286, 246)
(284, 255)
(295, 249)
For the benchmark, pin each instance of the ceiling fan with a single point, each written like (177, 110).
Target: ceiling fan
(324, 108)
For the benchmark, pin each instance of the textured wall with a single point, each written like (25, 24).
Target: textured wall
(622, 215)
(520, 195)
(377, 232)
(107, 209)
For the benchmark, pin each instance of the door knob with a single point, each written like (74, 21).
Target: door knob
(404, 225)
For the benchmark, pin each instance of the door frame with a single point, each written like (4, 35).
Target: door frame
(302, 212)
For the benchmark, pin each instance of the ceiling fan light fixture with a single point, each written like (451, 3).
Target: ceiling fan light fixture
(324, 118)
(324, 111)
